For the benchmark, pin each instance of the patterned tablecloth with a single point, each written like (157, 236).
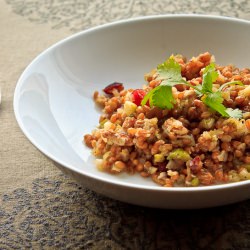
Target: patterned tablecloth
(40, 208)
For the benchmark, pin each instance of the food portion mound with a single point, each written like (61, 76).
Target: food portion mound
(189, 125)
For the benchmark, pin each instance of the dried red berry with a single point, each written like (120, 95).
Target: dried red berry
(115, 85)
(161, 167)
(196, 164)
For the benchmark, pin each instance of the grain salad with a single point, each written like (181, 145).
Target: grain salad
(189, 124)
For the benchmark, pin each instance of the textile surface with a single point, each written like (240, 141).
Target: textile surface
(41, 208)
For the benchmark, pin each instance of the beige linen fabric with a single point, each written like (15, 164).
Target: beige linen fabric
(21, 41)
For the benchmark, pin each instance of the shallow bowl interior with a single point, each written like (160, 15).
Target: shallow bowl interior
(53, 98)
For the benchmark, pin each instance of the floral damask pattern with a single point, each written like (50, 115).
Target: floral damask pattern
(63, 215)
(80, 14)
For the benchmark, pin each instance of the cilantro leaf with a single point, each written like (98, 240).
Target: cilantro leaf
(210, 75)
(147, 97)
(169, 72)
(162, 97)
(230, 83)
(211, 70)
(214, 101)
(235, 113)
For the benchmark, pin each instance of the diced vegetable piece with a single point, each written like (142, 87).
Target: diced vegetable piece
(247, 166)
(207, 123)
(152, 170)
(159, 158)
(99, 164)
(195, 182)
(129, 107)
(179, 154)
(101, 124)
(138, 95)
(244, 174)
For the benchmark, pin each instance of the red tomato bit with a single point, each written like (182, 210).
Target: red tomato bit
(138, 95)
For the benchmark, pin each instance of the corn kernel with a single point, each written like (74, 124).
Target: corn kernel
(129, 108)
(159, 158)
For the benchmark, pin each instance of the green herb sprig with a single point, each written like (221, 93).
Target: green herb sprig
(169, 73)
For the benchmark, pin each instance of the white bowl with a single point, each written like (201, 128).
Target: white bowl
(54, 107)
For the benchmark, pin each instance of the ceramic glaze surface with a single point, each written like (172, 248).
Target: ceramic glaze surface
(54, 107)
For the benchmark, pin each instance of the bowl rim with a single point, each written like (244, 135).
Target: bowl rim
(96, 29)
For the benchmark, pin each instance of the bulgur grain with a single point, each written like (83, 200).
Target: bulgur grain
(189, 145)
